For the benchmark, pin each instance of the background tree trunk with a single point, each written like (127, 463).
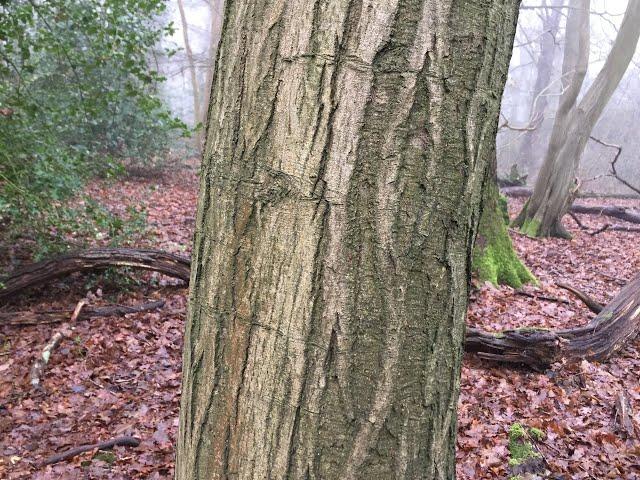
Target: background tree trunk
(494, 258)
(555, 187)
(216, 11)
(539, 96)
(346, 150)
(195, 87)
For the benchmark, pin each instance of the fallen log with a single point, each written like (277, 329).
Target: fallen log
(73, 452)
(39, 273)
(517, 192)
(524, 192)
(601, 338)
(58, 316)
(615, 228)
(536, 348)
(621, 213)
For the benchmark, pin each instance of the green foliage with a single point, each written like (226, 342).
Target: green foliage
(77, 226)
(536, 434)
(77, 99)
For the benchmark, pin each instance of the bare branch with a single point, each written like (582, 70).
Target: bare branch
(614, 172)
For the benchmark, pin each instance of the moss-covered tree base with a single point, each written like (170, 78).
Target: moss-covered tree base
(529, 224)
(494, 258)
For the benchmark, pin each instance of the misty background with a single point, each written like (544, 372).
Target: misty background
(528, 106)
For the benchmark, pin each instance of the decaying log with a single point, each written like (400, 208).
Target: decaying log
(532, 347)
(524, 192)
(517, 192)
(57, 316)
(74, 452)
(35, 274)
(610, 330)
(621, 213)
(606, 334)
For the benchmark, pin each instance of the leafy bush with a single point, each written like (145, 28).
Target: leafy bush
(77, 226)
(77, 99)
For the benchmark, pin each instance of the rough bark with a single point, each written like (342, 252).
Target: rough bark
(539, 99)
(494, 258)
(42, 272)
(555, 187)
(347, 144)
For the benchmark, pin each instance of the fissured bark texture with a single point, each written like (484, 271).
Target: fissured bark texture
(347, 144)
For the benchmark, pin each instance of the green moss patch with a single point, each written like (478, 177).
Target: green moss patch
(494, 258)
(530, 227)
(499, 264)
(523, 455)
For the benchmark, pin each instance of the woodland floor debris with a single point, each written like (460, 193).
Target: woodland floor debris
(120, 376)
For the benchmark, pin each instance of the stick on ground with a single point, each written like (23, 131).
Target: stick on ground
(58, 316)
(41, 362)
(74, 452)
(591, 304)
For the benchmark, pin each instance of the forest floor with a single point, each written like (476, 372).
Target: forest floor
(121, 376)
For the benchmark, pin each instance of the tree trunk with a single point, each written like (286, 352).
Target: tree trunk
(346, 150)
(555, 186)
(494, 258)
(197, 101)
(215, 10)
(539, 96)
